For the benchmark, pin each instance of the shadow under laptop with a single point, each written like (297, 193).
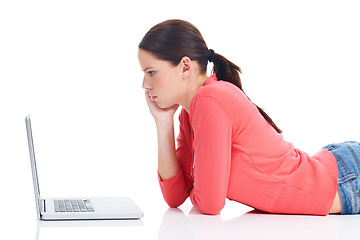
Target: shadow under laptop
(255, 225)
(86, 224)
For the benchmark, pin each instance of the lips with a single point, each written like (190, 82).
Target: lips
(152, 97)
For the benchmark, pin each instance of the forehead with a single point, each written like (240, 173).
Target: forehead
(148, 60)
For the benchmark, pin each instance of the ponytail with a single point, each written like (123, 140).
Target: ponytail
(228, 71)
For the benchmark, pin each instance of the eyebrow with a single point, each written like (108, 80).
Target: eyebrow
(146, 69)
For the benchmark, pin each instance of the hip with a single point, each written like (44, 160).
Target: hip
(347, 157)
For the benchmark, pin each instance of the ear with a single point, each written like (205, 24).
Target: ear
(186, 66)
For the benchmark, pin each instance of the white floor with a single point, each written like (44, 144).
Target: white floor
(235, 222)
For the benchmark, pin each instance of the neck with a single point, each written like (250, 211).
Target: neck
(193, 86)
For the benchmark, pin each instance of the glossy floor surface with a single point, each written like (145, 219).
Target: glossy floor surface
(235, 222)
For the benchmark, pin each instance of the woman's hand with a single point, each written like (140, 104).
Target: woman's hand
(160, 114)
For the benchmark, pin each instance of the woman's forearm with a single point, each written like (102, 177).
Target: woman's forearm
(168, 165)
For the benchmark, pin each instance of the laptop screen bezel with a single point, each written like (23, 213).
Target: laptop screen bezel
(33, 165)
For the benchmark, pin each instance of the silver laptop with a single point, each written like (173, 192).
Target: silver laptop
(78, 208)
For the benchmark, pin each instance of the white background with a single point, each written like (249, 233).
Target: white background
(72, 65)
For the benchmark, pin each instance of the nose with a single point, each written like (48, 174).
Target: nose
(145, 83)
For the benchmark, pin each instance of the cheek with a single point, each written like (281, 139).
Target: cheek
(162, 82)
(167, 82)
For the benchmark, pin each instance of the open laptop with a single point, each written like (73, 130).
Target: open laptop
(78, 208)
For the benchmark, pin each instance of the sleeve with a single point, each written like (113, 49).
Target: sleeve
(176, 190)
(212, 148)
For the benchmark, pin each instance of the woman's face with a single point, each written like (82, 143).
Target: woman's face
(162, 80)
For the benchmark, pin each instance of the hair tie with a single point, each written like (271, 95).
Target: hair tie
(211, 55)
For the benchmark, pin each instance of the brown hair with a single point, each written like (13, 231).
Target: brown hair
(174, 39)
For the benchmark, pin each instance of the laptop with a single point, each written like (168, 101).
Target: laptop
(78, 208)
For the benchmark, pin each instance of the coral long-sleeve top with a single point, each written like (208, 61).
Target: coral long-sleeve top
(226, 149)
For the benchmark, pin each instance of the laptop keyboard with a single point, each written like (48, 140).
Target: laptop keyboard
(73, 206)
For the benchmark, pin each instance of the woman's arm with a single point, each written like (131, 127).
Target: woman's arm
(172, 180)
(212, 149)
(176, 189)
(168, 165)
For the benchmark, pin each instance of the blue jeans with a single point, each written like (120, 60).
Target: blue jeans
(347, 157)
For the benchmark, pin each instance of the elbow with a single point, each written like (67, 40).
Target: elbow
(174, 202)
(210, 210)
(208, 207)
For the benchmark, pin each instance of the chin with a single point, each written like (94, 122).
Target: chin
(163, 106)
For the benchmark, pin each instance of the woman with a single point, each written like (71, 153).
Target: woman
(227, 146)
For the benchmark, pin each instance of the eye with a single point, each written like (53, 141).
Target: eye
(151, 73)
